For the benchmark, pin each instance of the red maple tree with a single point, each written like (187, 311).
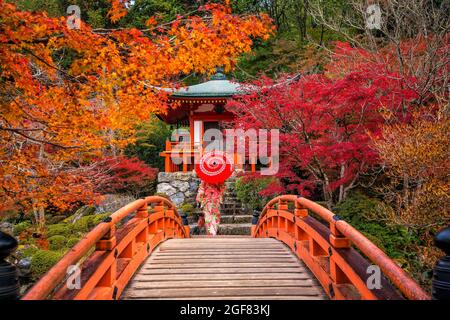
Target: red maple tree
(325, 124)
(123, 175)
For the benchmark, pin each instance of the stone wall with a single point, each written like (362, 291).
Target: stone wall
(113, 202)
(179, 186)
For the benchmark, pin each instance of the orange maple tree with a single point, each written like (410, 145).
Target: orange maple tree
(68, 96)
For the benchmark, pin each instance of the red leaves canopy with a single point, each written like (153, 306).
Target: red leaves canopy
(325, 124)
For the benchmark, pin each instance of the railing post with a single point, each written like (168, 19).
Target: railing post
(159, 207)
(282, 205)
(255, 219)
(185, 222)
(337, 239)
(108, 241)
(299, 211)
(142, 212)
(441, 272)
(9, 277)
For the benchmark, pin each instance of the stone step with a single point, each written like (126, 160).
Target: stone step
(231, 229)
(228, 219)
(230, 212)
(235, 229)
(236, 219)
(232, 205)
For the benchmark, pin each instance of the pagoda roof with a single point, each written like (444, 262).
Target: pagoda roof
(217, 86)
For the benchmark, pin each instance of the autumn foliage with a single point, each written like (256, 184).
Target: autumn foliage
(326, 122)
(417, 157)
(125, 175)
(69, 96)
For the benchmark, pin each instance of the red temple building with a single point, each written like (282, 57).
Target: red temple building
(196, 109)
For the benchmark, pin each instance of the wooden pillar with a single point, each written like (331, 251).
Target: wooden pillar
(185, 168)
(167, 160)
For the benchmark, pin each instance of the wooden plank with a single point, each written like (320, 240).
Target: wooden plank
(221, 244)
(221, 247)
(220, 265)
(138, 284)
(213, 244)
(320, 297)
(221, 260)
(201, 257)
(223, 292)
(215, 253)
(228, 252)
(226, 239)
(221, 270)
(193, 278)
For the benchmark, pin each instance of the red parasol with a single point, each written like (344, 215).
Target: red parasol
(215, 167)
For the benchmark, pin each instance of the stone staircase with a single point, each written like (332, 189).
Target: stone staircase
(235, 219)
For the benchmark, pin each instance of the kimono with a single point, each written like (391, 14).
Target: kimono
(210, 197)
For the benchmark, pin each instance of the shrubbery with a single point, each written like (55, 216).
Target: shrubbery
(22, 226)
(27, 251)
(57, 242)
(72, 242)
(43, 260)
(360, 211)
(188, 209)
(398, 242)
(61, 237)
(59, 229)
(250, 190)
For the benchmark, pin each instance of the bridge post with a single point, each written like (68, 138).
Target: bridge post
(441, 272)
(255, 219)
(337, 239)
(185, 221)
(299, 211)
(142, 212)
(9, 276)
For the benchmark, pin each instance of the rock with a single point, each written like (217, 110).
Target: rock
(179, 186)
(178, 198)
(24, 267)
(7, 227)
(113, 202)
(81, 212)
(164, 177)
(166, 188)
(183, 176)
(193, 185)
(182, 186)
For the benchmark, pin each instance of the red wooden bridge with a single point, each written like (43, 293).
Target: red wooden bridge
(297, 250)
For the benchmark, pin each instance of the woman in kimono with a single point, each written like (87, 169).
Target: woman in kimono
(210, 197)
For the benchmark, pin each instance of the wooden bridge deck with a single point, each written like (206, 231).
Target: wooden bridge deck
(223, 268)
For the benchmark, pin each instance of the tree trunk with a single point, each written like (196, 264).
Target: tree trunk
(39, 217)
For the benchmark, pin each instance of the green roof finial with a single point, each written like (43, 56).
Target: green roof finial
(219, 75)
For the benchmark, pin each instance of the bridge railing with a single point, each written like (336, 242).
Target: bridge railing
(333, 253)
(102, 263)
